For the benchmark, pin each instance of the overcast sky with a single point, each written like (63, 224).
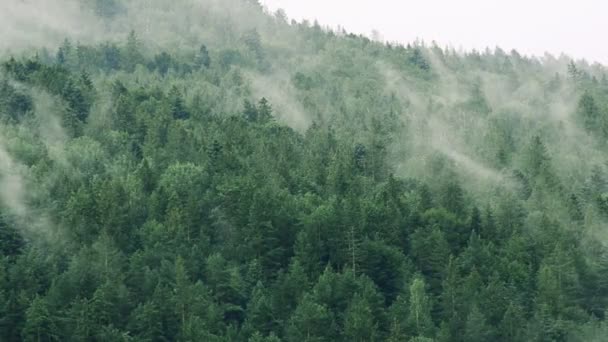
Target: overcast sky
(578, 28)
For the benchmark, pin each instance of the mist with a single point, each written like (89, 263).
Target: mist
(28, 24)
(209, 170)
(435, 118)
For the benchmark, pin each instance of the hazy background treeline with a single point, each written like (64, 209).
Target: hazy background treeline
(205, 171)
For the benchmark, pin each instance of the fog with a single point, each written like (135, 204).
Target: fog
(35, 23)
(531, 27)
(136, 149)
(435, 113)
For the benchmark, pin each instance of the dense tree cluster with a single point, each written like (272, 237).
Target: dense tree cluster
(176, 205)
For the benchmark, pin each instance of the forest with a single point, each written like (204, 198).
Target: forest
(204, 170)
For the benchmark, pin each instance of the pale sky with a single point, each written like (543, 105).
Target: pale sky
(578, 28)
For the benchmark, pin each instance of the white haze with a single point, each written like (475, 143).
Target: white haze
(11, 183)
(34, 23)
(52, 134)
(278, 89)
(184, 24)
(28, 24)
(532, 27)
(16, 196)
(187, 23)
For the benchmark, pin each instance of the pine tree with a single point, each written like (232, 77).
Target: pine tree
(203, 59)
(450, 291)
(132, 54)
(419, 318)
(511, 326)
(359, 322)
(259, 312)
(431, 253)
(264, 111)
(11, 241)
(39, 323)
(310, 322)
(176, 102)
(477, 329)
(397, 320)
(537, 157)
(250, 112)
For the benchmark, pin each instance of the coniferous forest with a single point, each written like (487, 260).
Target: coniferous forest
(202, 170)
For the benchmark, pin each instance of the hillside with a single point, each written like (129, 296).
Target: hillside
(201, 170)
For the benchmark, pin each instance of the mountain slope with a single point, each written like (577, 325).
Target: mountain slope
(202, 171)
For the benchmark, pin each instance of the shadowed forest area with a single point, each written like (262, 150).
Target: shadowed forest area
(207, 171)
